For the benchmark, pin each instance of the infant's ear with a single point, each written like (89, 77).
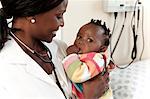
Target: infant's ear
(103, 48)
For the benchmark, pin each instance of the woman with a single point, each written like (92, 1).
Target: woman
(30, 68)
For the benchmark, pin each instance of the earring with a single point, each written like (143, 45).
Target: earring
(32, 21)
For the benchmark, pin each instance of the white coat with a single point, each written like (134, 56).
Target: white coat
(22, 78)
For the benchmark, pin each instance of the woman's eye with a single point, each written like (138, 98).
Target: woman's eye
(59, 17)
(89, 40)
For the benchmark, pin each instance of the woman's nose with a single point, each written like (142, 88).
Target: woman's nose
(62, 22)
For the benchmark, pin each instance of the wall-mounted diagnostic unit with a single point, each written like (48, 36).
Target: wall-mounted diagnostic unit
(120, 5)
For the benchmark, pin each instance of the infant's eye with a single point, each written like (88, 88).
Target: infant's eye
(90, 40)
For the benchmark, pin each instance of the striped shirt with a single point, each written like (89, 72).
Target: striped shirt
(82, 67)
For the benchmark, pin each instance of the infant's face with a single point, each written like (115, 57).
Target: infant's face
(89, 38)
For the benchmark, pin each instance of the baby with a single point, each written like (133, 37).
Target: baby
(87, 57)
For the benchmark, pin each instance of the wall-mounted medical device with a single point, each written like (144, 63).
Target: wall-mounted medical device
(120, 5)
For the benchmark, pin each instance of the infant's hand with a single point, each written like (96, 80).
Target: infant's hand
(72, 49)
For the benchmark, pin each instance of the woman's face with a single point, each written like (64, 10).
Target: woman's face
(89, 38)
(48, 23)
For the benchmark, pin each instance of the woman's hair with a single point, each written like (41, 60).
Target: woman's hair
(106, 34)
(21, 8)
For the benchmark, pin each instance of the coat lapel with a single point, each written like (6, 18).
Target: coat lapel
(57, 60)
(20, 58)
(35, 70)
(58, 53)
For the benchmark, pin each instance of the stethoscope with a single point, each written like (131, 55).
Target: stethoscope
(49, 60)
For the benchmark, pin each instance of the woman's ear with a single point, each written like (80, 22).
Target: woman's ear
(103, 48)
(31, 19)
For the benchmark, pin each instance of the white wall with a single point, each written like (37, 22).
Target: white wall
(146, 28)
(80, 12)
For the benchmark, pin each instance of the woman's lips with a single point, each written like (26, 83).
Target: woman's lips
(54, 33)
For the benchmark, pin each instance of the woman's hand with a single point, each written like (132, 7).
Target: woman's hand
(72, 49)
(96, 87)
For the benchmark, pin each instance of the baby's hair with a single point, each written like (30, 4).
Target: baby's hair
(106, 30)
